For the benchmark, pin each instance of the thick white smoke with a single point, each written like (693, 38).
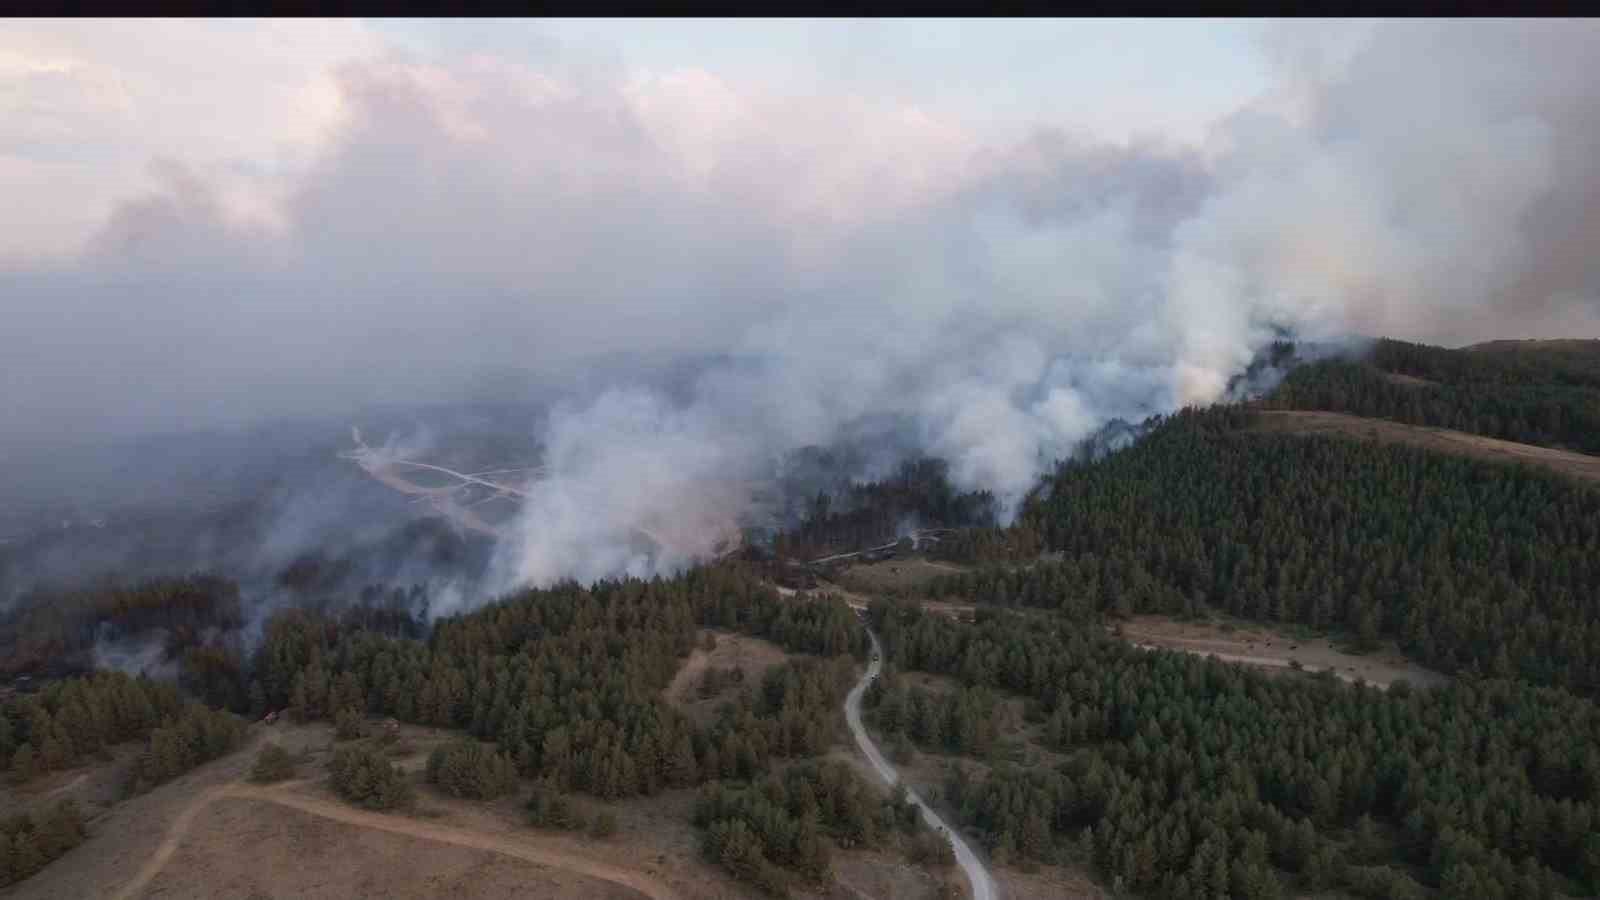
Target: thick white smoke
(851, 261)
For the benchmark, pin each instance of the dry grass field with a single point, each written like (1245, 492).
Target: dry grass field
(1258, 646)
(1575, 465)
(895, 574)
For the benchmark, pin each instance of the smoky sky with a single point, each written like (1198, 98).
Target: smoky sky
(849, 261)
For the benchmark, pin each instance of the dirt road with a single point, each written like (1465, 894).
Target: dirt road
(169, 845)
(515, 846)
(983, 887)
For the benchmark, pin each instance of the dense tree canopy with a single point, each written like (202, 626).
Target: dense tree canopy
(568, 681)
(1550, 398)
(760, 829)
(1471, 566)
(1188, 776)
(69, 721)
(918, 494)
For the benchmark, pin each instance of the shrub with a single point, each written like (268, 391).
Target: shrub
(466, 768)
(348, 725)
(364, 777)
(273, 763)
(550, 808)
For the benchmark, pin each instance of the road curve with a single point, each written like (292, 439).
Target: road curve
(977, 874)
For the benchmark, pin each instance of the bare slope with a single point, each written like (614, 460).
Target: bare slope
(1565, 462)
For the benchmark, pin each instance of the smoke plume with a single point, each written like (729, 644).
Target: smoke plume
(818, 270)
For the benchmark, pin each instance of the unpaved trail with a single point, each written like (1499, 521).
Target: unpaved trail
(983, 887)
(169, 845)
(80, 779)
(281, 795)
(446, 834)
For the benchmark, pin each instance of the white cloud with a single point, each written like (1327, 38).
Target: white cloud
(86, 104)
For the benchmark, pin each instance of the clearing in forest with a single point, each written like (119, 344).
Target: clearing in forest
(751, 656)
(1256, 645)
(1443, 440)
(896, 574)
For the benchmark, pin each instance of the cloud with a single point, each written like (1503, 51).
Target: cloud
(86, 104)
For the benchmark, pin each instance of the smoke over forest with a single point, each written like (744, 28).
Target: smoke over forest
(660, 290)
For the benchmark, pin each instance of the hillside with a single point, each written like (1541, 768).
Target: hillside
(1442, 440)
(1312, 552)
(1547, 398)
(1550, 346)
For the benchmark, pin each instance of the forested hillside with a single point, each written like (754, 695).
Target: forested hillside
(568, 684)
(1193, 778)
(73, 721)
(1546, 397)
(57, 631)
(1472, 567)
(918, 494)
(1185, 778)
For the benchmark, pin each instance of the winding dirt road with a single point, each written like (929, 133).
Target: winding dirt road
(506, 845)
(983, 887)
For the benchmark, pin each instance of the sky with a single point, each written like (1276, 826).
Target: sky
(976, 240)
(85, 105)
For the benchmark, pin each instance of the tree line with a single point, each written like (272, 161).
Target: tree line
(70, 721)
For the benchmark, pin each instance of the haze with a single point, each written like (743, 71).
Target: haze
(988, 238)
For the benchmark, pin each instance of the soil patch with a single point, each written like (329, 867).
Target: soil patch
(1259, 646)
(896, 574)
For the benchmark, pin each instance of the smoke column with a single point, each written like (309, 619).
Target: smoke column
(832, 265)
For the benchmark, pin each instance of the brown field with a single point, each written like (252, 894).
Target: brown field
(1046, 882)
(961, 612)
(1565, 462)
(210, 833)
(895, 574)
(1255, 645)
(248, 848)
(876, 875)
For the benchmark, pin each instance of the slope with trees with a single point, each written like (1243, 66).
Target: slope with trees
(1472, 567)
(1189, 777)
(1549, 398)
